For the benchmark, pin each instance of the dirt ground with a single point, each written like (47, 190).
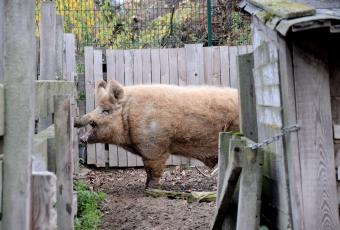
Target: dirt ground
(127, 206)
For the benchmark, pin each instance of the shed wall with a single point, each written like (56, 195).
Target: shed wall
(275, 208)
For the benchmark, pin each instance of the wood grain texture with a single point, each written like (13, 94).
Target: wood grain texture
(65, 215)
(48, 41)
(128, 80)
(315, 136)
(248, 119)
(2, 38)
(164, 62)
(89, 89)
(182, 71)
(18, 77)
(248, 211)
(44, 197)
(2, 110)
(291, 141)
(59, 47)
(156, 66)
(173, 67)
(147, 74)
(137, 67)
(111, 75)
(195, 64)
(212, 66)
(233, 52)
(225, 66)
(69, 58)
(98, 75)
(231, 177)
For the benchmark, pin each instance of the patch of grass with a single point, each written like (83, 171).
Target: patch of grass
(89, 214)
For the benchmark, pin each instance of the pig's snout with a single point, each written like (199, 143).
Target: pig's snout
(78, 122)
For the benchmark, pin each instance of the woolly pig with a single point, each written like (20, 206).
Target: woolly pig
(154, 121)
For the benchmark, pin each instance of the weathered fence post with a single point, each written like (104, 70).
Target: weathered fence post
(44, 214)
(69, 56)
(249, 202)
(232, 174)
(48, 41)
(89, 89)
(2, 41)
(19, 75)
(59, 49)
(64, 162)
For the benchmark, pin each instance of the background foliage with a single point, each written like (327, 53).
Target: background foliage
(151, 23)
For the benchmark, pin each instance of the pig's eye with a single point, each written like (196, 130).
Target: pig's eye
(93, 124)
(106, 111)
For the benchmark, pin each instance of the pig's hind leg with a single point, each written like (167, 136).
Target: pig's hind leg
(154, 169)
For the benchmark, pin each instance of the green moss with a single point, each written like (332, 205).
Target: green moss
(89, 215)
(267, 17)
(284, 8)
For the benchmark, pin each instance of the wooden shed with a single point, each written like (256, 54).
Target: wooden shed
(296, 72)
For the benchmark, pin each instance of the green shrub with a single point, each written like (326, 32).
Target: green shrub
(89, 214)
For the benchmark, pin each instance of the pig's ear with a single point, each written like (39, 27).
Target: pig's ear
(116, 91)
(100, 88)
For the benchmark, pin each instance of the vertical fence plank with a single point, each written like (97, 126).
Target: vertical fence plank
(195, 64)
(182, 70)
(146, 55)
(208, 62)
(128, 65)
(225, 64)
(111, 75)
(156, 67)
(44, 197)
(248, 118)
(173, 75)
(195, 71)
(173, 67)
(164, 61)
(137, 67)
(233, 74)
(182, 81)
(69, 56)
(59, 47)
(47, 41)
(2, 37)
(165, 78)
(64, 162)
(120, 75)
(98, 75)
(1, 187)
(212, 66)
(74, 135)
(18, 78)
(248, 211)
(48, 57)
(89, 87)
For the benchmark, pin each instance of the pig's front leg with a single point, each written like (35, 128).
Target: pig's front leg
(154, 169)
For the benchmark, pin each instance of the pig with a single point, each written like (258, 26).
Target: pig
(154, 121)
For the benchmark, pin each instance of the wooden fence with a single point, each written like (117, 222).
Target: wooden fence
(33, 166)
(191, 65)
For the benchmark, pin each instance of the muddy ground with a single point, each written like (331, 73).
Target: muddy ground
(127, 207)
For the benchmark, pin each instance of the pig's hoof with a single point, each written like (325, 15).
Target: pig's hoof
(152, 185)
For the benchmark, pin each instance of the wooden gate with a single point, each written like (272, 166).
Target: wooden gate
(191, 65)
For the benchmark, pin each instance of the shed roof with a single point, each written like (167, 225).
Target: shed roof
(283, 15)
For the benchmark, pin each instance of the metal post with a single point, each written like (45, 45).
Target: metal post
(209, 23)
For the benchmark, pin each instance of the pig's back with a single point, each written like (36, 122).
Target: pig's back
(180, 116)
